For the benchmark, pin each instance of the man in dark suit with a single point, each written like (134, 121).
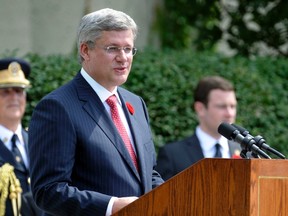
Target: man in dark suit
(214, 102)
(14, 160)
(81, 165)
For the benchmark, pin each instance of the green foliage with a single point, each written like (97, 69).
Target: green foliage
(47, 74)
(166, 81)
(253, 27)
(185, 24)
(266, 22)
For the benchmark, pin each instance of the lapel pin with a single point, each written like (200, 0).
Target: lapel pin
(130, 108)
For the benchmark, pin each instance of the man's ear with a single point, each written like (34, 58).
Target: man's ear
(199, 107)
(84, 51)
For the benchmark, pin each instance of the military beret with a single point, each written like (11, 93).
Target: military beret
(14, 72)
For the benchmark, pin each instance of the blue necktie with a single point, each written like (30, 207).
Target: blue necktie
(218, 153)
(16, 153)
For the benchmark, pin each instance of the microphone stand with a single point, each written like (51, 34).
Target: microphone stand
(244, 153)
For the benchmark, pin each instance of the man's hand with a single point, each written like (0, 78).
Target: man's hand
(119, 203)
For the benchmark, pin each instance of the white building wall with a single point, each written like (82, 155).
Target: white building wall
(15, 26)
(49, 26)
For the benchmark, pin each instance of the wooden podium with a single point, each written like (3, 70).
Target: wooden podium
(240, 187)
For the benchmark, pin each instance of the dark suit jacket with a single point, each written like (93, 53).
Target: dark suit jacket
(177, 156)
(28, 206)
(79, 158)
(6, 156)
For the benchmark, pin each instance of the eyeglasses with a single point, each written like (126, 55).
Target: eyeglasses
(114, 50)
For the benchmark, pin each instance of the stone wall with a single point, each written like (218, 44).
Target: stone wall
(49, 26)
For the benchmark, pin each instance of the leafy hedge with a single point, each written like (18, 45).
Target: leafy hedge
(166, 81)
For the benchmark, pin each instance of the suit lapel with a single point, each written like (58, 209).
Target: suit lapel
(94, 107)
(6, 156)
(25, 138)
(195, 148)
(234, 148)
(134, 126)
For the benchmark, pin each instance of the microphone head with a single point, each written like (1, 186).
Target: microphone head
(242, 130)
(227, 130)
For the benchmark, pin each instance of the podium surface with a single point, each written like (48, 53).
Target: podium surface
(240, 187)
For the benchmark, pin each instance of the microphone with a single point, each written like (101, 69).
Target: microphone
(260, 141)
(247, 143)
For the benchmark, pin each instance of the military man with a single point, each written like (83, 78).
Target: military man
(14, 159)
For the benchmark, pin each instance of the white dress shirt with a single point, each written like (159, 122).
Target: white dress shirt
(104, 94)
(6, 136)
(207, 144)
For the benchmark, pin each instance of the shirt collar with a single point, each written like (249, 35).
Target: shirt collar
(207, 142)
(6, 134)
(102, 92)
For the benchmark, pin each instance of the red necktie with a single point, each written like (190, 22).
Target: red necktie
(112, 102)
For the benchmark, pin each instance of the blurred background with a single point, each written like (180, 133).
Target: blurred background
(179, 42)
(229, 26)
(50, 26)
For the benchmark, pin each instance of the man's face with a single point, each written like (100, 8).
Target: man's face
(12, 104)
(221, 107)
(110, 69)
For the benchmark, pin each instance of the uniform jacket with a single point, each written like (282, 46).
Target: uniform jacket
(6, 156)
(28, 207)
(82, 160)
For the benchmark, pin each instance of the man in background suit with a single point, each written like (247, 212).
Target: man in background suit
(214, 102)
(81, 165)
(14, 158)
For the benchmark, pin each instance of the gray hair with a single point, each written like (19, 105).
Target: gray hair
(92, 25)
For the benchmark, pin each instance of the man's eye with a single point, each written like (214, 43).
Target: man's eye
(112, 49)
(127, 49)
(221, 106)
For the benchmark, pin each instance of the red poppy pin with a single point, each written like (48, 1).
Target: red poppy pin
(130, 108)
(236, 155)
